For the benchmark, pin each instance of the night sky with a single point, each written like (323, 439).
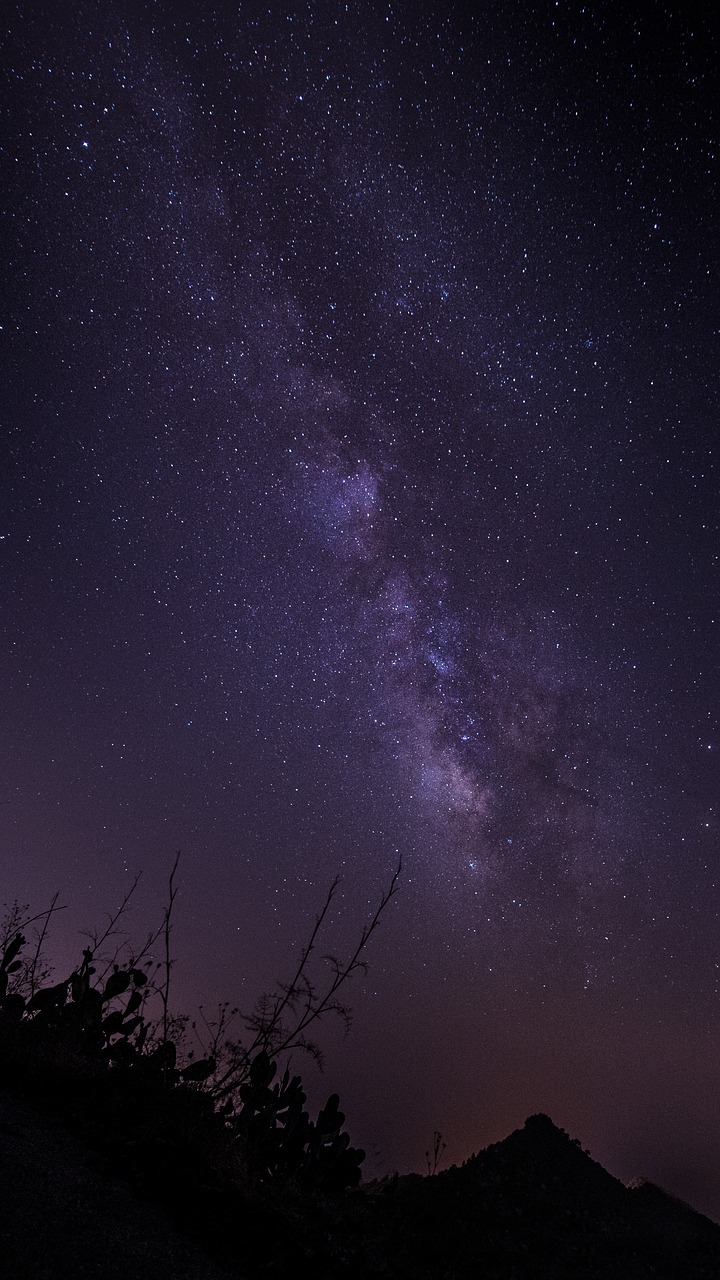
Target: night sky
(360, 500)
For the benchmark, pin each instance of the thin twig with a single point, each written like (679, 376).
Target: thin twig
(293, 987)
(113, 919)
(165, 989)
(45, 917)
(51, 910)
(266, 1021)
(342, 973)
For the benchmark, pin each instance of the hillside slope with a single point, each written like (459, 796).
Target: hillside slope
(533, 1206)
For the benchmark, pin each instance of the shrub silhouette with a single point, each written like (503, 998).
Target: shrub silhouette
(89, 1042)
(282, 1142)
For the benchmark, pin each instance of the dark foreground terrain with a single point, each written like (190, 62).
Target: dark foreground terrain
(76, 1203)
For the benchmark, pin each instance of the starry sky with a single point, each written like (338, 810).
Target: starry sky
(360, 501)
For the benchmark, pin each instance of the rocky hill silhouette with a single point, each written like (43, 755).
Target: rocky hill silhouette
(535, 1205)
(121, 1155)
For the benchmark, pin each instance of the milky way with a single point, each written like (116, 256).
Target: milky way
(360, 502)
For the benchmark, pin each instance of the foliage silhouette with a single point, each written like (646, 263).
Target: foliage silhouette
(248, 1172)
(91, 1037)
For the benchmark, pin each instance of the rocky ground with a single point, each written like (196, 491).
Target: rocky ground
(62, 1214)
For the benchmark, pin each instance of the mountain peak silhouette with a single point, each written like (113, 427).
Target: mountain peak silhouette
(537, 1205)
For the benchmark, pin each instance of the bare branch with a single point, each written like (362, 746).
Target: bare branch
(294, 985)
(45, 916)
(279, 1022)
(166, 929)
(327, 1003)
(97, 942)
(51, 910)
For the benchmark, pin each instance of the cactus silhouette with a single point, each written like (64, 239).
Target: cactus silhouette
(281, 1141)
(88, 1041)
